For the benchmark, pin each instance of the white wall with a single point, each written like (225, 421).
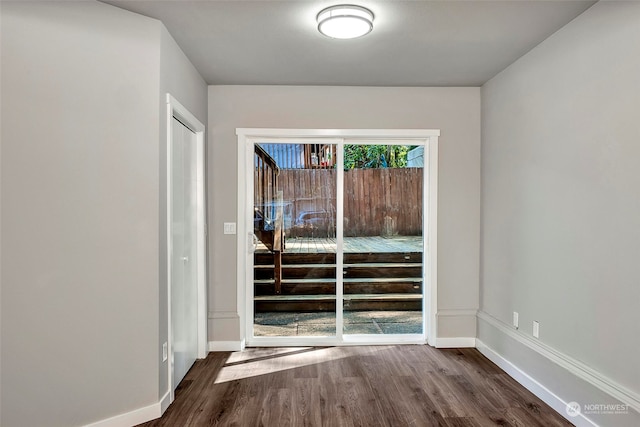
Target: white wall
(83, 144)
(456, 111)
(560, 203)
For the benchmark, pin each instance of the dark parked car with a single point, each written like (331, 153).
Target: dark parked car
(314, 223)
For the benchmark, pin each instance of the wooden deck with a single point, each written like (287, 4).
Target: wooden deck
(378, 274)
(351, 244)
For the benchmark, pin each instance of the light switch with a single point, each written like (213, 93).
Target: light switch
(229, 228)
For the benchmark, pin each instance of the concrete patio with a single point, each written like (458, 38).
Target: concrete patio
(273, 324)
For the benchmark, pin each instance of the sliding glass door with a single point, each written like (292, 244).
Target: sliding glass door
(383, 245)
(295, 228)
(338, 230)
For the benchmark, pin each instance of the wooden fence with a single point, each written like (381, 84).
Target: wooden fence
(377, 202)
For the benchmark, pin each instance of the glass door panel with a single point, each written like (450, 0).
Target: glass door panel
(383, 244)
(295, 229)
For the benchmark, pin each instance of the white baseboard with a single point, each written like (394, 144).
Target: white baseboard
(546, 395)
(455, 342)
(165, 402)
(573, 366)
(226, 345)
(223, 315)
(456, 312)
(135, 417)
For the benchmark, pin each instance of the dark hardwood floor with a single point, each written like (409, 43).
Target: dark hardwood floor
(409, 385)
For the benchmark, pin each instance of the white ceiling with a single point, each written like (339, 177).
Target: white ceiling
(413, 43)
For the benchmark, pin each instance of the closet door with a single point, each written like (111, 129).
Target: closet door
(184, 294)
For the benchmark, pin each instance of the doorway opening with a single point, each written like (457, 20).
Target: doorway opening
(341, 236)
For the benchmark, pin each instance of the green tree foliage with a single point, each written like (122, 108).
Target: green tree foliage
(375, 156)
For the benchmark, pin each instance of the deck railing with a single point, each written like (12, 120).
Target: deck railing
(268, 215)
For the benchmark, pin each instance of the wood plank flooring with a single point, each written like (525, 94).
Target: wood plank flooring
(410, 385)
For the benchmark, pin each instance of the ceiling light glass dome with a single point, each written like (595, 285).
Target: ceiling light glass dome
(345, 21)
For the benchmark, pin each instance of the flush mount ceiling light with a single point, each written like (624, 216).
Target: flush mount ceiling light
(345, 21)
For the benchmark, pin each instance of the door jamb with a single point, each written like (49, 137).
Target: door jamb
(177, 110)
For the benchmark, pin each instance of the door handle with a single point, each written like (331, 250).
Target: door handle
(252, 242)
(185, 259)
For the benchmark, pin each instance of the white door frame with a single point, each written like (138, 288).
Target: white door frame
(175, 109)
(247, 137)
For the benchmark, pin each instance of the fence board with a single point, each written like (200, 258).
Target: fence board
(372, 196)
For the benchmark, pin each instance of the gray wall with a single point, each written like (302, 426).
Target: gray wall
(83, 142)
(560, 201)
(456, 111)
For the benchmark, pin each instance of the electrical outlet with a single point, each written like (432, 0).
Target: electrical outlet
(536, 329)
(164, 352)
(229, 228)
(515, 319)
